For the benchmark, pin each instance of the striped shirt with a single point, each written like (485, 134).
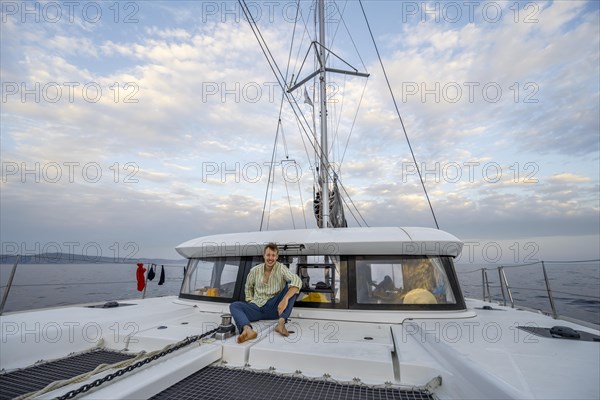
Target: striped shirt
(259, 293)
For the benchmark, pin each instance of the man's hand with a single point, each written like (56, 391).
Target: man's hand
(282, 305)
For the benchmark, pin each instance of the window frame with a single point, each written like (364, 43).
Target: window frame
(343, 288)
(216, 299)
(353, 303)
(347, 280)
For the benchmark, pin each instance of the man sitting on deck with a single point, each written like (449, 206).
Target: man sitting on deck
(270, 294)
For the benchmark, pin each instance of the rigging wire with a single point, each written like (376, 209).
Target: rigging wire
(336, 118)
(349, 34)
(305, 32)
(366, 81)
(302, 202)
(289, 203)
(399, 116)
(305, 148)
(341, 185)
(269, 182)
(285, 149)
(279, 125)
(349, 203)
(354, 122)
(337, 27)
(281, 80)
(287, 157)
(278, 75)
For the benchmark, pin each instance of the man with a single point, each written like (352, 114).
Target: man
(270, 294)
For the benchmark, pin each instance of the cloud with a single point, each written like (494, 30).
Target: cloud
(72, 45)
(469, 80)
(569, 178)
(184, 90)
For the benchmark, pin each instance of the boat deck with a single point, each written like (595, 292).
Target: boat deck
(479, 353)
(37, 377)
(215, 382)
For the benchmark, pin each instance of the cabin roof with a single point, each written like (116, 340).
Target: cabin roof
(346, 241)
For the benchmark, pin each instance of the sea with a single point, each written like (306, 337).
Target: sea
(37, 286)
(575, 286)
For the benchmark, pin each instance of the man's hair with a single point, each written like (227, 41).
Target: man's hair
(271, 246)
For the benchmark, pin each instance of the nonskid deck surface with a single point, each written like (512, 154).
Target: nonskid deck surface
(36, 377)
(216, 382)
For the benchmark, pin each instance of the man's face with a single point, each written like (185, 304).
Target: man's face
(270, 257)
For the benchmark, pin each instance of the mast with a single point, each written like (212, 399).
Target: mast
(322, 149)
(324, 162)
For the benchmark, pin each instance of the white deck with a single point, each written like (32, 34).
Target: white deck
(478, 353)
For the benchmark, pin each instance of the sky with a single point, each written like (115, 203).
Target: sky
(129, 127)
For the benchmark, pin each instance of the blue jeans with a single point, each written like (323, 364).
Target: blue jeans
(243, 313)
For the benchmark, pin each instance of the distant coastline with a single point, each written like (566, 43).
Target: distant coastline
(68, 258)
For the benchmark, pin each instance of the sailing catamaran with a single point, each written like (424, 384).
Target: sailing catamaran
(380, 315)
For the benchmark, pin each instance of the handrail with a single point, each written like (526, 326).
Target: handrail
(86, 283)
(487, 285)
(9, 284)
(483, 282)
(510, 297)
(503, 283)
(527, 288)
(554, 313)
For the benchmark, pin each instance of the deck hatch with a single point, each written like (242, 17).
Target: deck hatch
(226, 383)
(36, 377)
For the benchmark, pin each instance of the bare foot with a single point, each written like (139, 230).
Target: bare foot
(281, 329)
(246, 335)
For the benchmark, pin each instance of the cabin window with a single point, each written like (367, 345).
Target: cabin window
(320, 277)
(211, 277)
(402, 280)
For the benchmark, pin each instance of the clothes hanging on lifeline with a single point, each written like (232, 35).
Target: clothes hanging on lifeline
(151, 273)
(139, 274)
(162, 275)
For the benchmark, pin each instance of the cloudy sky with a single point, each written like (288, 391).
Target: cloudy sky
(129, 127)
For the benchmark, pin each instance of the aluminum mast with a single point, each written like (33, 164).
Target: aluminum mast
(324, 162)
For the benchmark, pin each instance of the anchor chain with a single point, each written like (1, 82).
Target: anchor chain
(88, 386)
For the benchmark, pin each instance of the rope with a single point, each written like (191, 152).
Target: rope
(80, 378)
(399, 116)
(125, 367)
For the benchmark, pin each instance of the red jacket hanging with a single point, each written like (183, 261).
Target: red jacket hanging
(141, 279)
